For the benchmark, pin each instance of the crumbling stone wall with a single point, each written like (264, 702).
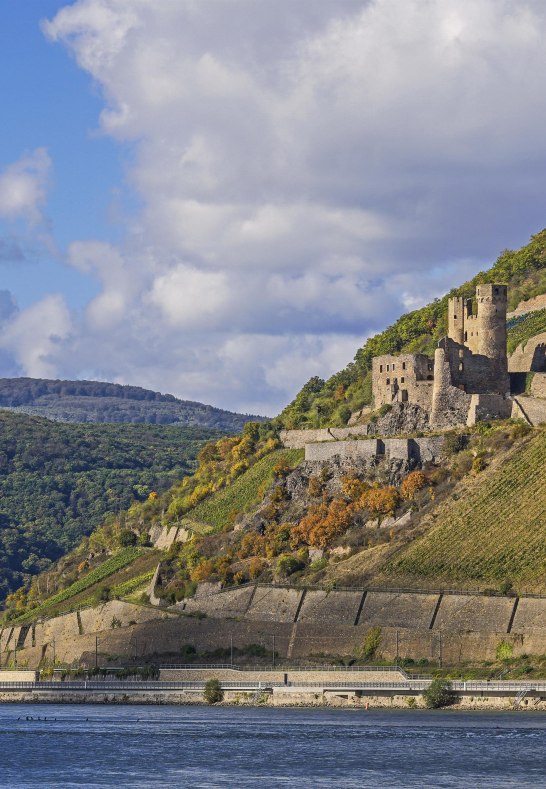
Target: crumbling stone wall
(538, 385)
(530, 357)
(405, 378)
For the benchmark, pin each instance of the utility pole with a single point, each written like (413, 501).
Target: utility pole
(397, 642)
(96, 651)
(273, 651)
(54, 656)
(440, 651)
(231, 649)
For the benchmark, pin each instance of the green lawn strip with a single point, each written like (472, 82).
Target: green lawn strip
(217, 510)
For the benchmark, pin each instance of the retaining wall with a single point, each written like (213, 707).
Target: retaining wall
(274, 605)
(326, 607)
(413, 611)
(303, 623)
(464, 613)
(421, 450)
(297, 439)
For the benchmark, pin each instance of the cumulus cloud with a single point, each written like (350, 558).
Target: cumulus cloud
(35, 334)
(23, 186)
(306, 171)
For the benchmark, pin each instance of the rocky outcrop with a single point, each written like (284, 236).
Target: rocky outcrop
(402, 418)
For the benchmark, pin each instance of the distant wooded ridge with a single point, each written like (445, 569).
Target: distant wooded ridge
(98, 401)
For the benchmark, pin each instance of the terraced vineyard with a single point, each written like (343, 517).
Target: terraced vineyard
(525, 327)
(495, 531)
(217, 511)
(108, 568)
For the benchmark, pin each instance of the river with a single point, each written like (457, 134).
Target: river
(242, 748)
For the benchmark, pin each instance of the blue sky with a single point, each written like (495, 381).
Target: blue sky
(221, 199)
(49, 102)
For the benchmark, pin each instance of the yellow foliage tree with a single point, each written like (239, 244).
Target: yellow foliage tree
(414, 482)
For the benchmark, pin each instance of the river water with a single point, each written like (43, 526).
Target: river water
(238, 748)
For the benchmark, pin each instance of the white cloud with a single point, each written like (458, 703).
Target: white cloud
(35, 335)
(23, 186)
(306, 170)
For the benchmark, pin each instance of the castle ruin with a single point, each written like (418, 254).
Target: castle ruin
(467, 380)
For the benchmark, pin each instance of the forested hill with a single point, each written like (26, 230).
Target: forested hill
(58, 482)
(96, 401)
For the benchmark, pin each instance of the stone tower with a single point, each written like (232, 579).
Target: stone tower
(491, 323)
(458, 310)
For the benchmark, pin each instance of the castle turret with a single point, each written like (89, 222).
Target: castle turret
(455, 319)
(491, 323)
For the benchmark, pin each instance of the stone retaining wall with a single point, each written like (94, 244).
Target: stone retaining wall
(297, 439)
(385, 609)
(302, 624)
(420, 450)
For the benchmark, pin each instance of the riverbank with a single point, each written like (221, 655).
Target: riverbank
(266, 699)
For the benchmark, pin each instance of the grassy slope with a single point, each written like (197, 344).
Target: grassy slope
(492, 529)
(217, 511)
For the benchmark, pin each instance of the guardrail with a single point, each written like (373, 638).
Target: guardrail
(411, 685)
(280, 667)
(389, 589)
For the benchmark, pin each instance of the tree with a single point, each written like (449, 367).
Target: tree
(438, 694)
(213, 692)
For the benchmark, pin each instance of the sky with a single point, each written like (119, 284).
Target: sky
(222, 198)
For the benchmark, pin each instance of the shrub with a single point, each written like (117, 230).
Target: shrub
(507, 588)
(256, 566)
(478, 464)
(504, 650)
(381, 501)
(323, 523)
(213, 692)
(288, 564)
(385, 408)
(371, 643)
(314, 488)
(414, 482)
(453, 443)
(438, 694)
(127, 538)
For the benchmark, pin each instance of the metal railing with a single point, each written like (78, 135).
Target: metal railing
(408, 685)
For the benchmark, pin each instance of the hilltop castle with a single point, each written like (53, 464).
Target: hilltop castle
(467, 380)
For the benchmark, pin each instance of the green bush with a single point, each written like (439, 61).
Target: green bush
(438, 694)
(127, 538)
(371, 643)
(288, 564)
(504, 650)
(213, 692)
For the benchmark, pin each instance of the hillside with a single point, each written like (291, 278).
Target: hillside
(331, 402)
(254, 511)
(58, 482)
(492, 530)
(95, 401)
